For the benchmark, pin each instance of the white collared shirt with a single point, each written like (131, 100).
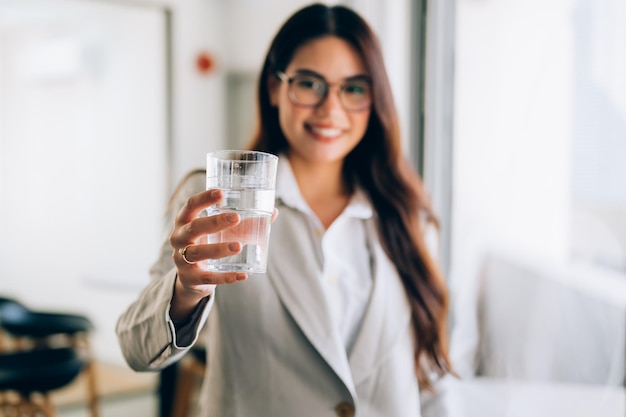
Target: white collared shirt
(342, 252)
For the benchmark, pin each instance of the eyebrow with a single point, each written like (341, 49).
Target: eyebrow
(357, 77)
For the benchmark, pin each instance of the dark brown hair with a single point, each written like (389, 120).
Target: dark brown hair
(377, 163)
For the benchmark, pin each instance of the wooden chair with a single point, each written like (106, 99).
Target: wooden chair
(26, 330)
(27, 378)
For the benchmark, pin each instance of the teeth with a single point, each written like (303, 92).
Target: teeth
(326, 132)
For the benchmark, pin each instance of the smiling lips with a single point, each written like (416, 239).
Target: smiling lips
(324, 133)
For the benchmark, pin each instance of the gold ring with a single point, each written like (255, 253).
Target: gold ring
(183, 253)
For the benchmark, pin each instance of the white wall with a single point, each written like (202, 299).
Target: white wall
(199, 119)
(83, 156)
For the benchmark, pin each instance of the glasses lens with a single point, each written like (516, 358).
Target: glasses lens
(356, 95)
(307, 90)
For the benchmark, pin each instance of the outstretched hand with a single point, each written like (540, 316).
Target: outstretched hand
(189, 242)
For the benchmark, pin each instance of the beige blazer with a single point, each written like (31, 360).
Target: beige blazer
(272, 351)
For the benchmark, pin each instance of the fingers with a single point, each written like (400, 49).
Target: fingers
(190, 247)
(274, 215)
(218, 278)
(191, 254)
(184, 234)
(193, 275)
(202, 283)
(196, 203)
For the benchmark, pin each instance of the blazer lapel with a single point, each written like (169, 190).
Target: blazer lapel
(387, 315)
(295, 275)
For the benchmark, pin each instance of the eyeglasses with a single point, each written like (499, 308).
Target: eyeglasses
(311, 90)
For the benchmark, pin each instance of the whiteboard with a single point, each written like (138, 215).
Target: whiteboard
(83, 145)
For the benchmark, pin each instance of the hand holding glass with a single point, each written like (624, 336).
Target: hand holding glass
(247, 180)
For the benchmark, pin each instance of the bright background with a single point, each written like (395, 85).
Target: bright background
(525, 142)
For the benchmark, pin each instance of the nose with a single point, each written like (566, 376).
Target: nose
(332, 101)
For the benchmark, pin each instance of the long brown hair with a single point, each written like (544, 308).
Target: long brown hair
(377, 163)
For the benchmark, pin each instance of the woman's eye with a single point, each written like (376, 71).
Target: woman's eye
(356, 89)
(307, 83)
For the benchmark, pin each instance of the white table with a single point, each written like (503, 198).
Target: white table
(484, 397)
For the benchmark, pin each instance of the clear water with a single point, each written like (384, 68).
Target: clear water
(255, 208)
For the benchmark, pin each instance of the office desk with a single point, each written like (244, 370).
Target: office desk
(504, 398)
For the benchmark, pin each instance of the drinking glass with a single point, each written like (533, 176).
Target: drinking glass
(247, 180)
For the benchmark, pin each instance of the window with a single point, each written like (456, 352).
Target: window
(598, 149)
(537, 197)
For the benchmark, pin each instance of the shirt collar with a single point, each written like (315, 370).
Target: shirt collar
(288, 191)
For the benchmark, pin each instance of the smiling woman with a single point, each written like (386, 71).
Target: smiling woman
(352, 294)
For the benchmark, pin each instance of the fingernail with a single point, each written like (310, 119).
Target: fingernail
(215, 193)
(231, 217)
(241, 277)
(233, 246)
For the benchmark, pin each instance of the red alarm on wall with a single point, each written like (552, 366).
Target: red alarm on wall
(205, 63)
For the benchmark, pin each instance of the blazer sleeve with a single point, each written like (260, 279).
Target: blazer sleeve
(148, 338)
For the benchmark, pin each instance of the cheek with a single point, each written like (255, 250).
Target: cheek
(360, 122)
(291, 117)
(285, 119)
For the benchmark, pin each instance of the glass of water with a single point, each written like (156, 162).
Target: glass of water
(248, 181)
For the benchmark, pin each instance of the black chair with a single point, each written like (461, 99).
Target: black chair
(26, 329)
(27, 378)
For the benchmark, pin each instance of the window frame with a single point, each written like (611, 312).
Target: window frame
(432, 100)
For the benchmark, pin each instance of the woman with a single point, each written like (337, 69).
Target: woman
(350, 317)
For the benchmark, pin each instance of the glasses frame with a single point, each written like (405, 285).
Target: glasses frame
(289, 80)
